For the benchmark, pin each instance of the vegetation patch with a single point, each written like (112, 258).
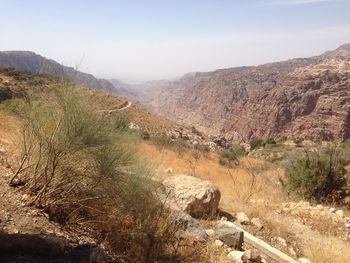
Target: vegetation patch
(316, 174)
(230, 157)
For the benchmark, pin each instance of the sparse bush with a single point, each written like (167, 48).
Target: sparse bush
(256, 143)
(202, 148)
(162, 141)
(270, 141)
(178, 145)
(15, 105)
(298, 141)
(283, 139)
(316, 175)
(230, 157)
(79, 167)
(145, 135)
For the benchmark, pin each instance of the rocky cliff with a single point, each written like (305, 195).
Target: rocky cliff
(299, 98)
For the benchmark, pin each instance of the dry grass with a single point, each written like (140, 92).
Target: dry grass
(235, 184)
(329, 250)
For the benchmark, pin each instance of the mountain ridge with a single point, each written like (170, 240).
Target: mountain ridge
(30, 61)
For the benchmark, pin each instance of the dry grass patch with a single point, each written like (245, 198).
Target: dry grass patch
(328, 250)
(240, 185)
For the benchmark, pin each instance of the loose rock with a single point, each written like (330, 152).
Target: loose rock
(251, 256)
(256, 222)
(242, 218)
(230, 236)
(235, 255)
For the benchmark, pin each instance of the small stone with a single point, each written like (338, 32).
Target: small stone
(210, 232)
(218, 243)
(319, 207)
(169, 170)
(15, 231)
(256, 222)
(292, 252)
(281, 241)
(251, 256)
(235, 255)
(332, 209)
(340, 213)
(304, 260)
(242, 218)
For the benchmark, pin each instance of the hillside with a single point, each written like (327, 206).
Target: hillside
(26, 60)
(298, 97)
(14, 82)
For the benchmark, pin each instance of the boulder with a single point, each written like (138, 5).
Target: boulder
(230, 236)
(192, 195)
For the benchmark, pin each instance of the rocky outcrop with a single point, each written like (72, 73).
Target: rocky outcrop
(196, 197)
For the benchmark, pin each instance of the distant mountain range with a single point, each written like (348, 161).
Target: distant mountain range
(26, 60)
(302, 97)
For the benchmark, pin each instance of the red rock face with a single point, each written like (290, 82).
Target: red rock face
(307, 98)
(312, 102)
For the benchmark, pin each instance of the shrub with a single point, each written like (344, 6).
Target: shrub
(5, 93)
(178, 145)
(256, 143)
(315, 175)
(230, 157)
(298, 140)
(283, 139)
(270, 140)
(79, 167)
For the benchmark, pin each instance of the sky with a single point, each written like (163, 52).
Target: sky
(141, 40)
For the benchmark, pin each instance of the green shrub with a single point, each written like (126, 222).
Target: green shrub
(283, 139)
(15, 105)
(178, 145)
(270, 140)
(256, 143)
(230, 157)
(162, 141)
(315, 175)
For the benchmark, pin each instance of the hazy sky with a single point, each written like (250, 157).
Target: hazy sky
(136, 40)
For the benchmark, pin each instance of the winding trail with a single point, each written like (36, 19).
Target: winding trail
(125, 105)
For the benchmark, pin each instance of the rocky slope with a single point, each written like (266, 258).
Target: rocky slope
(26, 60)
(299, 97)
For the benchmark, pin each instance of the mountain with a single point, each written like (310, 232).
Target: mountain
(304, 97)
(26, 60)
